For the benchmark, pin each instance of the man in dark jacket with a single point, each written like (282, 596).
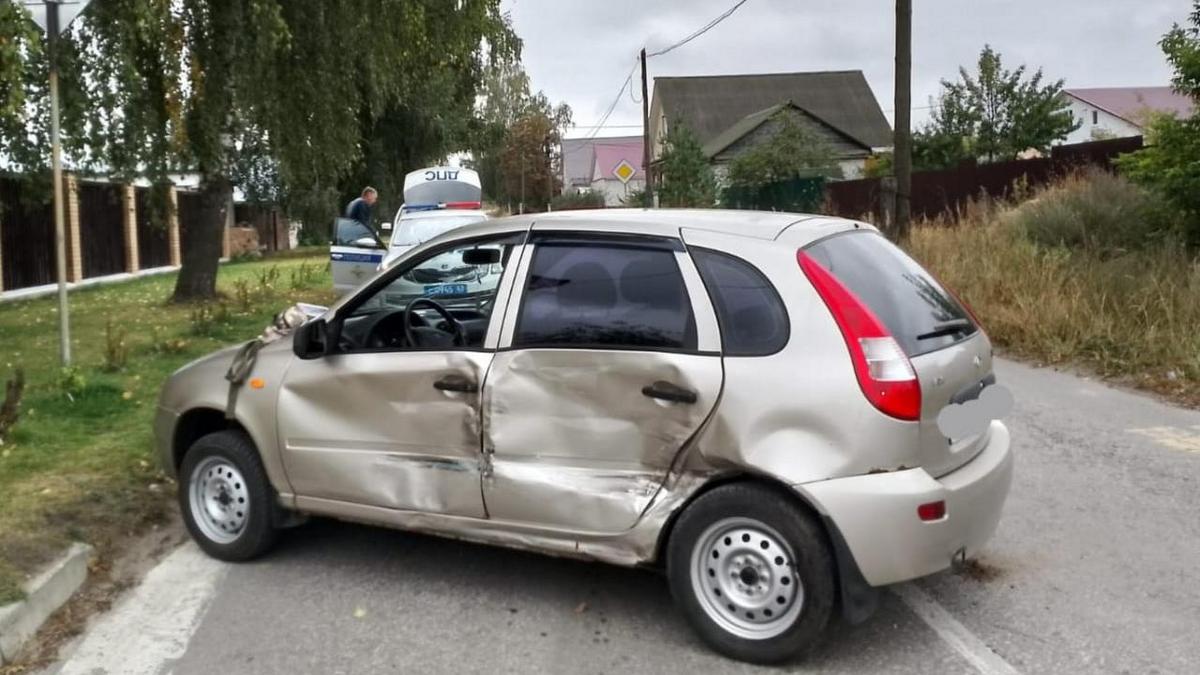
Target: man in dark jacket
(360, 209)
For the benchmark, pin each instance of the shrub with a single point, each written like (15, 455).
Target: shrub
(245, 298)
(1135, 315)
(577, 200)
(10, 409)
(267, 278)
(116, 348)
(1097, 211)
(71, 381)
(205, 318)
(303, 276)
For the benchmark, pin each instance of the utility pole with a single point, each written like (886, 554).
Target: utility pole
(902, 151)
(60, 248)
(646, 154)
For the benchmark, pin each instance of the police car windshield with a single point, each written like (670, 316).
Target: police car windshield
(415, 230)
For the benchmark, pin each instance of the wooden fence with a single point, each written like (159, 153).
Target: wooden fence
(101, 229)
(937, 192)
(26, 234)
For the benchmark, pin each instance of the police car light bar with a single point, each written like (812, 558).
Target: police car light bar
(443, 205)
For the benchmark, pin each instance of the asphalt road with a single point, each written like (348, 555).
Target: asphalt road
(1093, 570)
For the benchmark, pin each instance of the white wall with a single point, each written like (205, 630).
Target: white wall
(614, 191)
(1095, 120)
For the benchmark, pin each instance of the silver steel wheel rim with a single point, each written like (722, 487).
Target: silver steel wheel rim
(219, 499)
(743, 574)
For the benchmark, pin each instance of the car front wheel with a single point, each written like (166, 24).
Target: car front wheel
(227, 502)
(752, 573)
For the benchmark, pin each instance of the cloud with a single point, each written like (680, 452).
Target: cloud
(580, 52)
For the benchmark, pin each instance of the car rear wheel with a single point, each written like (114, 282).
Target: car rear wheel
(752, 573)
(227, 502)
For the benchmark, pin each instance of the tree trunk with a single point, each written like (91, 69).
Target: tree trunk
(202, 242)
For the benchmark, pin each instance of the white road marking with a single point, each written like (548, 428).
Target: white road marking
(1172, 437)
(146, 633)
(961, 640)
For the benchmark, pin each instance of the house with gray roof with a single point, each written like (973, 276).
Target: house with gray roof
(731, 113)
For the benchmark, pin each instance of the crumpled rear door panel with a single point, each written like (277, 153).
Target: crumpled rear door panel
(577, 446)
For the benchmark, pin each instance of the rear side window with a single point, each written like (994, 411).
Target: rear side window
(754, 321)
(605, 296)
(920, 314)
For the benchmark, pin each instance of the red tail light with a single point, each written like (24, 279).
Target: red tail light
(932, 511)
(884, 372)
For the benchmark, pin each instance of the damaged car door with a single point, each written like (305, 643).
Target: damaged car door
(389, 416)
(607, 366)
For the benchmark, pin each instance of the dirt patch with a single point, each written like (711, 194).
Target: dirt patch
(978, 570)
(109, 577)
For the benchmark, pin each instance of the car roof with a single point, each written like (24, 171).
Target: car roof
(662, 222)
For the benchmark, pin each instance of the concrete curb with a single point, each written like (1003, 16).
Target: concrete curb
(44, 594)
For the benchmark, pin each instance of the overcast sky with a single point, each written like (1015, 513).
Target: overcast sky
(579, 51)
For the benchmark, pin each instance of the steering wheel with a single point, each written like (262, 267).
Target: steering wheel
(455, 327)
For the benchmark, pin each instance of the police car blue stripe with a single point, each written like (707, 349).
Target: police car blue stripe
(359, 257)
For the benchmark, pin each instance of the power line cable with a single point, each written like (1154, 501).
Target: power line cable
(707, 27)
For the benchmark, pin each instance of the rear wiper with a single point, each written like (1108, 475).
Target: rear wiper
(948, 328)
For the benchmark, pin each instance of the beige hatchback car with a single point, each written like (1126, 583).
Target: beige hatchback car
(746, 400)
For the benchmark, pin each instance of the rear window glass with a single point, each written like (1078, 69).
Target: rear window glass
(916, 309)
(753, 319)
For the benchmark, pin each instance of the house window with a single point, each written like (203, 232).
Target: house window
(1095, 117)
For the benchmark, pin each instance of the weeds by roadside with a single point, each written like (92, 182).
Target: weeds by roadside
(1121, 303)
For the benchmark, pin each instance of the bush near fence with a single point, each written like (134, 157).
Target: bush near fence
(935, 193)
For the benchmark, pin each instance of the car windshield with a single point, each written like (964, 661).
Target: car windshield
(417, 230)
(462, 278)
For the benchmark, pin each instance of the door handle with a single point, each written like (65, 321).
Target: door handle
(665, 391)
(456, 383)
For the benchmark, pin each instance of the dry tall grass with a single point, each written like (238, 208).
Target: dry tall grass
(1134, 315)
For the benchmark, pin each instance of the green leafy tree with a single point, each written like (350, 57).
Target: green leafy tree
(529, 160)
(795, 150)
(282, 98)
(993, 115)
(685, 178)
(508, 111)
(1169, 163)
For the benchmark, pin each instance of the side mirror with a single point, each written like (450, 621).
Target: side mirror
(311, 340)
(366, 242)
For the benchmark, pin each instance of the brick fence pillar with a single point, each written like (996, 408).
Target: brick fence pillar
(129, 213)
(74, 243)
(176, 253)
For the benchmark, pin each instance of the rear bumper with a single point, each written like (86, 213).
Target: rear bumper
(877, 514)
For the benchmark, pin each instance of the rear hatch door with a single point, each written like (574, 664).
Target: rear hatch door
(950, 354)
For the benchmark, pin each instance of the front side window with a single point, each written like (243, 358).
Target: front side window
(606, 296)
(445, 298)
(350, 232)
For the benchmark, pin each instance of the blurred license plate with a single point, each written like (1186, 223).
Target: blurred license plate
(445, 289)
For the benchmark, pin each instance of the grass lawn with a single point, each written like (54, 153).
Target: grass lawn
(79, 464)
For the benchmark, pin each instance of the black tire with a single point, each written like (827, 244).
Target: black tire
(257, 531)
(812, 563)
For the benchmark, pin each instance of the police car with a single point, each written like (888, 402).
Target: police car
(436, 200)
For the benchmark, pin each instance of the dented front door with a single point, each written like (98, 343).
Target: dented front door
(377, 429)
